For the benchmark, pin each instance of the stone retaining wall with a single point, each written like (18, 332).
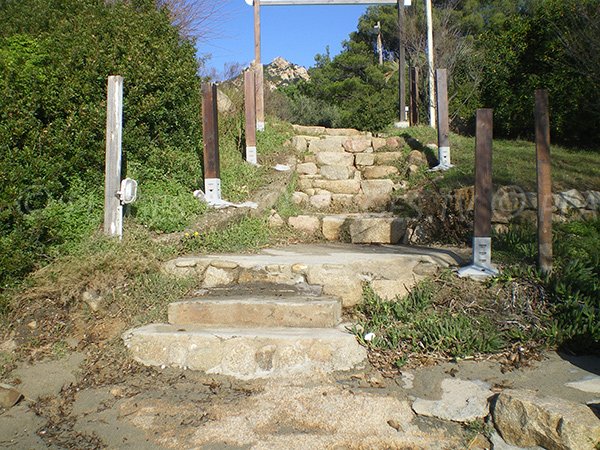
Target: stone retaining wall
(510, 204)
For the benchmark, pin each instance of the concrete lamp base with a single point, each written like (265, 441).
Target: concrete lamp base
(212, 189)
(251, 155)
(444, 158)
(481, 267)
(402, 124)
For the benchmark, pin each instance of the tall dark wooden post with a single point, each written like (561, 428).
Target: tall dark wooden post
(414, 96)
(544, 180)
(482, 241)
(250, 110)
(210, 131)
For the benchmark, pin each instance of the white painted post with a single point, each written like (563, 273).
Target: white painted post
(113, 209)
(430, 61)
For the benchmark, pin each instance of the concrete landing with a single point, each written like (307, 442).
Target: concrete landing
(257, 311)
(246, 353)
(340, 269)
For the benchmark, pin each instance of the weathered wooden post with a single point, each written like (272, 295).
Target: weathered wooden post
(250, 110)
(258, 67)
(544, 181)
(414, 96)
(443, 123)
(210, 131)
(113, 209)
(481, 265)
(260, 97)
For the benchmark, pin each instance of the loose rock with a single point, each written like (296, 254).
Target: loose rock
(462, 401)
(9, 396)
(524, 419)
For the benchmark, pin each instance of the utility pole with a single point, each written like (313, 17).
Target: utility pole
(429, 13)
(401, 65)
(260, 94)
(379, 43)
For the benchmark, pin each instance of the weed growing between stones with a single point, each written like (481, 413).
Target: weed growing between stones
(450, 317)
(250, 233)
(285, 206)
(572, 290)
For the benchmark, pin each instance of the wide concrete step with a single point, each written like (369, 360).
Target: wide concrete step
(246, 353)
(256, 311)
(340, 270)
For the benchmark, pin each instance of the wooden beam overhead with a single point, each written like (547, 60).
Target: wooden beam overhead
(327, 2)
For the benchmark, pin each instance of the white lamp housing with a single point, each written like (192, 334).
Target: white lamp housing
(128, 192)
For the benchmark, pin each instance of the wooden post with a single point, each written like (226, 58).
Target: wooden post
(260, 97)
(443, 125)
(210, 132)
(258, 67)
(250, 110)
(482, 241)
(401, 64)
(414, 96)
(544, 180)
(257, 31)
(113, 209)
(483, 174)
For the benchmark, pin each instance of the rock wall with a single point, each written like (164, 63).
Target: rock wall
(510, 204)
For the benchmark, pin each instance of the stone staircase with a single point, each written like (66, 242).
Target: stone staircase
(279, 312)
(346, 181)
(250, 331)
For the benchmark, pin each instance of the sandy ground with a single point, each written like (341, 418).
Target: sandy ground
(78, 402)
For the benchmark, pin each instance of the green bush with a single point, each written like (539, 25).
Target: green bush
(55, 57)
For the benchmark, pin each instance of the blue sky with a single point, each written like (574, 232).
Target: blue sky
(297, 33)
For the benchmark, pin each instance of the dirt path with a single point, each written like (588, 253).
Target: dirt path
(112, 403)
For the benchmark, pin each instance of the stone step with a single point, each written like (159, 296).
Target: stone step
(256, 311)
(246, 353)
(358, 228)
(340, 269)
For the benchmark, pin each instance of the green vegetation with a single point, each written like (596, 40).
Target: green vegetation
(496, 52)
(55, 57)
(572, 290)
(513, 162)
(447, 316)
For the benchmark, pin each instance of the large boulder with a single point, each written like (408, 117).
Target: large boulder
(525, 419)
(325, 145)
(313, 131)
(338, 186)
(378, 172)
(305, 224)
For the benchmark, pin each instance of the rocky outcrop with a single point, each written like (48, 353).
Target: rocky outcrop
(281, 72)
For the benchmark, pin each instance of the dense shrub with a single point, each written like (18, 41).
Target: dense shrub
(55, 57)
